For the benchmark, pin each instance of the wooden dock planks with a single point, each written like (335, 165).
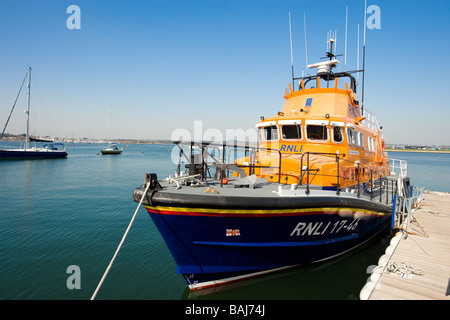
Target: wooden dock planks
(429, 252)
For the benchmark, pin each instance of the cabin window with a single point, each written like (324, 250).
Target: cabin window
(370, 143)
(355, 139)
(350, 136)
(270, 133)
(361, 140)
(317, 132)
(338, 134)
(291, 132)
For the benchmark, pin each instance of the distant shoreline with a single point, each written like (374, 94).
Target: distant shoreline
(418, 150)
(20, 138)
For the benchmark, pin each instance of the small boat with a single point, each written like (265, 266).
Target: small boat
(32, 139)
(48, 151)
(111, 149)
(317, 185)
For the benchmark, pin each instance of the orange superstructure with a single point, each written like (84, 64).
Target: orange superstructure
(321, 137)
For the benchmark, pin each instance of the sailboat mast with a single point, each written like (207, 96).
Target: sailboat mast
(28, 109)
(109, 130)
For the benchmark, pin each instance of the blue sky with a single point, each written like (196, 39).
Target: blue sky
(164, 64)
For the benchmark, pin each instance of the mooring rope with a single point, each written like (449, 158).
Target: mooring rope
(401, 268)
(120, 244)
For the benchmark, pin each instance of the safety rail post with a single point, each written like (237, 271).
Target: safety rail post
(300, 181)
(222, 169)
(358, 180)
(250, 162)
(203, 174)
(280, 156)
(371, 184)
(338, 191)
(394, 212)
(307, 174)
(381, 187)
(387, 191)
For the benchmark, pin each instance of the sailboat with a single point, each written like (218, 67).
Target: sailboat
(112, 147)
(48, 151)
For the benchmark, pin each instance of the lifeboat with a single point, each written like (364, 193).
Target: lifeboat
(315, 186)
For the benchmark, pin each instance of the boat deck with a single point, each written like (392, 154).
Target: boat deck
(259, 192)
(428, 250)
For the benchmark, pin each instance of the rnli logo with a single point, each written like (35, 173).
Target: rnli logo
(233, 233)
(293, 148)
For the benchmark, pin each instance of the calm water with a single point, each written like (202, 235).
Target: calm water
(74, 211)
(428, 170)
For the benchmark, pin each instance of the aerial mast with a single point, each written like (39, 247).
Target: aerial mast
(345, 51)
(292, 56)
(364, 57)
(306, 45)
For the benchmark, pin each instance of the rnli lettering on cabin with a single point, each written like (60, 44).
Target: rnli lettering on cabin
(293, 148)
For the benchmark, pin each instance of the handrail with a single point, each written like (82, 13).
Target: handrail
(401, 169)
(308, 169)
(203, 166)
(253, 159)
(382, 181)
(365, 178)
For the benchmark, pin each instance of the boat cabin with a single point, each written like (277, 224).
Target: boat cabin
(320, 125)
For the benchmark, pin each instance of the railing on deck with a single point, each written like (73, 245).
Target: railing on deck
(379, 187)
(252, 153)
(370, 120)
(200, 158)
(398, 167)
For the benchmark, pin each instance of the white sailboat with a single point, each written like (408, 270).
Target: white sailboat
(112, 147)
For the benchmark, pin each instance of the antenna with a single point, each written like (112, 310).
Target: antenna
(345, 51)
(335, 40)
(357, 55)
(306, 46)
(364, 57)
(332, 37)
(292, 56)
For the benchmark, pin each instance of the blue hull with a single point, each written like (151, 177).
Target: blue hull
(28, 154)
(213, 246)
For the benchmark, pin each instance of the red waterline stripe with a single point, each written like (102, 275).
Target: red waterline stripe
(254, 215)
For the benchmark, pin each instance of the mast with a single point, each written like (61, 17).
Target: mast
(28, 109)
(292, 56)
(345, 51)
(109, 130)
(364, 57)
(306, 45)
